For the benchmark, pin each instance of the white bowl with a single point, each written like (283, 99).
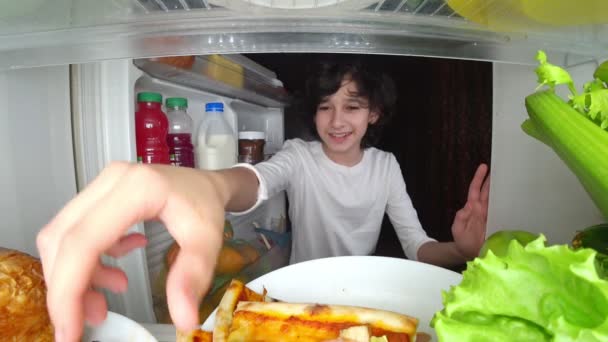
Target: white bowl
(117, 328)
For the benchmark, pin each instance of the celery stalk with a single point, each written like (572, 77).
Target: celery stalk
(578, 141)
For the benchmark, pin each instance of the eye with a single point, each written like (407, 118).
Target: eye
(322, 107)
(352, 107)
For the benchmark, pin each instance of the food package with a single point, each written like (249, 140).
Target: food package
(23, 311)
(223, 69)
(182, 62)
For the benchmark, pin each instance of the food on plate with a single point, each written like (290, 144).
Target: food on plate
(194, 336)
(23, 311)
(577, 129)
(236, 292)
(595, 237)
(499, 241)
(244, 315)
(532, 293)
(256, 321)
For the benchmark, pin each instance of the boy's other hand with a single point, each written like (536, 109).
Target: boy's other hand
(469, 227)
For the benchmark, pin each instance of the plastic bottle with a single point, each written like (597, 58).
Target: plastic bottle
(216, 142)
(151, 126)
(181, 151)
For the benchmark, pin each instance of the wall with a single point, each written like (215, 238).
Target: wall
(532, 188)
(37, 168)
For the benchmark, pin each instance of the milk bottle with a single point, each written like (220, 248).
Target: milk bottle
(216, 142)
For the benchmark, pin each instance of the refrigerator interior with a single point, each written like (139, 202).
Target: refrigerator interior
(531, 187)
(104, 102)
(242, 116)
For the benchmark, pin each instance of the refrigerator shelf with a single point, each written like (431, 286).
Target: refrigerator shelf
(231, 80)
(44, 32)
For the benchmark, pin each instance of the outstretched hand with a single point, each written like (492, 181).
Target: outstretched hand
(94, 224)
(469, 227)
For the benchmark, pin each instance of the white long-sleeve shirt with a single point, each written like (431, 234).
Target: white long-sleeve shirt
(337, 210)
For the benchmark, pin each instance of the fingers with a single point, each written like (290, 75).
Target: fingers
(476, 183)
(186, 283)
(95, 307)
(110, 278)
(461, 218)
(126, 244)
(199, 238)
(131, 200)
(485, 190)
(47, 240)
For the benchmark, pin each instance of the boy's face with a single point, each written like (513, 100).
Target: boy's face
(341, 121)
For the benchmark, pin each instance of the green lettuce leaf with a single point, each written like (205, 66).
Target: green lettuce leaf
(552, 75)
(533, 293)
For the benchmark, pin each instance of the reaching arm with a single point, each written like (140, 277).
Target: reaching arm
(240, 186)
(191, 203)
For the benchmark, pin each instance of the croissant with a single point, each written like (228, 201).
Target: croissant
(23, 311)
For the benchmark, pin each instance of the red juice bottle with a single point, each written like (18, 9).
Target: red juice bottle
(181, 151)
(151, 127)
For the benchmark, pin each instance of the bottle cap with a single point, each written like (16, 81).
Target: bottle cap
(149, 97)
(214, 107)
(176, 102)
(252, 135)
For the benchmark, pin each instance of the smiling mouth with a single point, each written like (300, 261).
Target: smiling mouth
(340, 135)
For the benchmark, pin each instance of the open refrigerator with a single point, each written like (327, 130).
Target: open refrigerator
(253, 100)
(84, 61)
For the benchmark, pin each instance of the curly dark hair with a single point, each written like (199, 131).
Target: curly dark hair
(374, 85)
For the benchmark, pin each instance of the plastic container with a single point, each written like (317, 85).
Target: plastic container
(215, 143)
(251, 147)
(151, 128)
(179, 139)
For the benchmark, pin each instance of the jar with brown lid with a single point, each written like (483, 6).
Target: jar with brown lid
(251, 147)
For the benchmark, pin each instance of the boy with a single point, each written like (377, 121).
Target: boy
(338, 187)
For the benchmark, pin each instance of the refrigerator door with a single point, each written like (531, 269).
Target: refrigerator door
(103, 107)
(37, 169)
(45, 32)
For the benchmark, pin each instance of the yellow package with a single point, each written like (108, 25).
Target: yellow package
(224, 70)
(523, 15)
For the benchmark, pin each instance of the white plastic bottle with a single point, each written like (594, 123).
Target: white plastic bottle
(216, 142)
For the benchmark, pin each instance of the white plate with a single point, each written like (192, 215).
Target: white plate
(398, 285)
(117, 328)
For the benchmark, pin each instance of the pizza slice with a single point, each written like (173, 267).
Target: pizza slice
(260, 321)
(236, 292)
(194, 336)
(245, 315)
